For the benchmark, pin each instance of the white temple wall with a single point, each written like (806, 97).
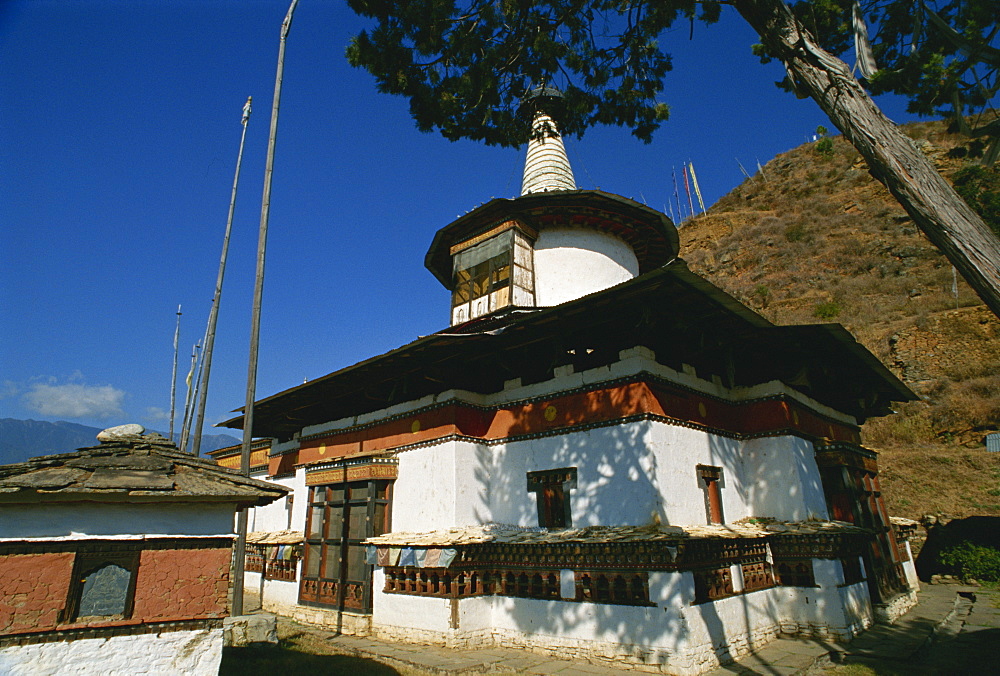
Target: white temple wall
(83, 520)
(560, 255)
(441, 486)
(782, 479)
(278, 594)
(176, 653)
(611, 462)
(285, 513)
(678, 451)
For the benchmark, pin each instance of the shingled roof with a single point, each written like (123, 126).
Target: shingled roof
(130, 469)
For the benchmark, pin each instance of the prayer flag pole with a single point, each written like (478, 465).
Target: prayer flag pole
(173, 379)
(213, 316)
(240, 548)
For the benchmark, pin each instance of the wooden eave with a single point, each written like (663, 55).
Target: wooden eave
(682, 317)
(650, 233)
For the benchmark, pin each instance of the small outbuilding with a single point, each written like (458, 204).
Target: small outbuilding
(116, 558)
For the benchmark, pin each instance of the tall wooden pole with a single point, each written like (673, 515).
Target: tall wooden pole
(213, 316)
(173, 379)
(189, 397)
(239, 551)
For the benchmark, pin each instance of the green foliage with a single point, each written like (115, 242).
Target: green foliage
(465, 65)
(972, 561)
(763, 294)
(824, 146)
(827, 310)
(980, 187)
(941, 54)
(796, 232)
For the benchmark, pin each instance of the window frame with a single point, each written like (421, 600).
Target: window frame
(87, 563)
(710, 480)
(552, 493)
(347, 504)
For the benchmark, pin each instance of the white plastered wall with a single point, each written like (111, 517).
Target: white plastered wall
(275, 516)
(782, 480)
(611, 462)
(279, 595)
(83, 520)
(653, 463)
(441, 486)
(176, 653)
(562, 253)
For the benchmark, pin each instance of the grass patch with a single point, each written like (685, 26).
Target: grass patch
(862, 670)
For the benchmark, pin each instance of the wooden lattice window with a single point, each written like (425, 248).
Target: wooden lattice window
(551, 488)
(795, 573)
(713, 584)
(615, 588)
(757, 576)
(340, 517)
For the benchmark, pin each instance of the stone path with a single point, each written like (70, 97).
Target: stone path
(953, 630)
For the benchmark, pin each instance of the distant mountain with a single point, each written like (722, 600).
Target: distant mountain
(23, 439)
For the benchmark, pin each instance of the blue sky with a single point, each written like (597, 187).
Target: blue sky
(119, 128)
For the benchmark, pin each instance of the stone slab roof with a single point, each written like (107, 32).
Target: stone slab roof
(506, 533)
(132, 468)
(277, 537)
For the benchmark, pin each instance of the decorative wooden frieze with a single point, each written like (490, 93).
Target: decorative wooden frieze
(356, 470)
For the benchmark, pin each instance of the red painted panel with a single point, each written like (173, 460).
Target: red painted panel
(33, 590)
(182, 584)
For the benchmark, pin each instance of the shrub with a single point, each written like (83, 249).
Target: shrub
(980, 187)
(796, 232)
(827, 310)
(824, 146)
(971, 561)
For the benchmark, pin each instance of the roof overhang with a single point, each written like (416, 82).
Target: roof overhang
(650, 233)
(682, 317)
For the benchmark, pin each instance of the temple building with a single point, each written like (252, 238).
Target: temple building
(604, 453)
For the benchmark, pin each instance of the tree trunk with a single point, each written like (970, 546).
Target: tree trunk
(891, 156)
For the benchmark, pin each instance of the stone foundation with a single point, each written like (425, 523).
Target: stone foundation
(243, 630)
(896, 607)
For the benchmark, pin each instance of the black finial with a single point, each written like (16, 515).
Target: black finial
(543, 97)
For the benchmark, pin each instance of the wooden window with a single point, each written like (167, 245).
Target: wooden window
(710, 479)
(103, 584)
(757, 576)
(713, 584)
(852, 570)
(795, 573)
(631, 589)
(482, 269)
(551, 488)
(340, 518)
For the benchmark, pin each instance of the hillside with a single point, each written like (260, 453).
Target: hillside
(814, 238)
(23, 439)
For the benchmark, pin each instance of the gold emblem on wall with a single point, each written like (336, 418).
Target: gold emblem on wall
(550, 412)
(415, 427)
(322, 449)
(702, 411)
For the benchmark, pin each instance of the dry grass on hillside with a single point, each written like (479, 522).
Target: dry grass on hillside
(814, 238)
